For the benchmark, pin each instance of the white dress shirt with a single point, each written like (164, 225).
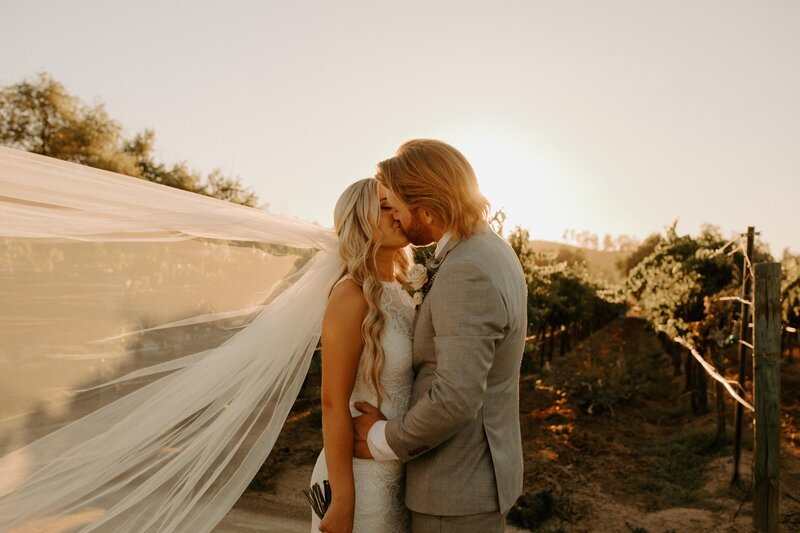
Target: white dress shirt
(376, 439)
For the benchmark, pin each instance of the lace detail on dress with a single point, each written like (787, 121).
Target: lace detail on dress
(380, 486)
(398, 306)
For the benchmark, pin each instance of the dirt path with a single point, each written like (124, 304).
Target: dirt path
(279, 504)
(611, 445)
(245, 521)
(258, 512)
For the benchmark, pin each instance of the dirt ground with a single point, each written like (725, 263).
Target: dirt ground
(644, 464)
(610, 445)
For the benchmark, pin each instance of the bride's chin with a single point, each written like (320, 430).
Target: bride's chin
(396, 246)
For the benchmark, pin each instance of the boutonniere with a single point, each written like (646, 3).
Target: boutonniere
(420, 279)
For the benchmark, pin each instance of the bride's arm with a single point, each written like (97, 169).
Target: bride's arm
(341, 350)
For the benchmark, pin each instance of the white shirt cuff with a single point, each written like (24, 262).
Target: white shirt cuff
(376, 440)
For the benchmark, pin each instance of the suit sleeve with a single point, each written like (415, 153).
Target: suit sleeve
(469, 318)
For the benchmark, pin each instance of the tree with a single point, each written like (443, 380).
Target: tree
(141, 147)
(625, 243)
(626, 264)
(227, 188)
(608, 243)
(39, 115)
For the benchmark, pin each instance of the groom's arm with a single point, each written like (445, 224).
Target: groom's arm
(469, 317)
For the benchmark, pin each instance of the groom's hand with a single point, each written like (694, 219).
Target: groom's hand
(361, 426)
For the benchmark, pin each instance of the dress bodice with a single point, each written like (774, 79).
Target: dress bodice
(397, 376)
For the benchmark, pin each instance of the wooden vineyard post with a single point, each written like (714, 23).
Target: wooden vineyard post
(766, 395)
(717, 360)
(743, 330)
(540, 342)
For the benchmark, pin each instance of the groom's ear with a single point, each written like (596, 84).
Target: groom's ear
(427, 217)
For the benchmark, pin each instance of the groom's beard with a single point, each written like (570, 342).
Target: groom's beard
(417, 232)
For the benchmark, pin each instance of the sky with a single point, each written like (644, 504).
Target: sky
(615, 117)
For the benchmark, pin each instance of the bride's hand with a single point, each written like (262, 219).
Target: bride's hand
(361, 426)
(338, 519)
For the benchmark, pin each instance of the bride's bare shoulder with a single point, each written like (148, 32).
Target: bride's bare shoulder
(346, 304)
(346, 289)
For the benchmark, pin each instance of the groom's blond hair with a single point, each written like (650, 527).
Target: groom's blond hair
(433, 175)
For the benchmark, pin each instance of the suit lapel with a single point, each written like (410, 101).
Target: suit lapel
(448, 247)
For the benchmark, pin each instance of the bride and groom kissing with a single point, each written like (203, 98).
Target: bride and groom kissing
(420, 395)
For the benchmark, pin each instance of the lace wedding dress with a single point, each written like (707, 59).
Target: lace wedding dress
(380, 506)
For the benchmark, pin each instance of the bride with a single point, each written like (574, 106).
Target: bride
(154, 341)
(366, 356)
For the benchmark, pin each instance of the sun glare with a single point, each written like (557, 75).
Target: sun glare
(521, 178)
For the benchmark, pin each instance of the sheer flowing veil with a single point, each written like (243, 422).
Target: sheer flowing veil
(152, 342)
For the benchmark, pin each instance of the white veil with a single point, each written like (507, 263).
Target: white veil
(152, 342)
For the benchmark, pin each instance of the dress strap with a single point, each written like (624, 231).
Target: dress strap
(343, 278)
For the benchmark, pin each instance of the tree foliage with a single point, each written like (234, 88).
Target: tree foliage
(678, 285)
(626, 264)
(671, 283)
(38, 115)
(560, 291)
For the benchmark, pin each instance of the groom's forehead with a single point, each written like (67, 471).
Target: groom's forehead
(383, 192)
(387, 195)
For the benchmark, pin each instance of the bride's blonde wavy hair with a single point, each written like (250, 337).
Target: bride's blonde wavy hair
(355, 219)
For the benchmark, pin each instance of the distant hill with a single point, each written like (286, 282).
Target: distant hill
(601, 264)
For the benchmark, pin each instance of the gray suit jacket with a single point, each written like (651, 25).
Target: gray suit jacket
(461, 437)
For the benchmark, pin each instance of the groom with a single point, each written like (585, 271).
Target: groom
(460, 439)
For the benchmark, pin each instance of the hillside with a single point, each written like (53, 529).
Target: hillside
(601, 264)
